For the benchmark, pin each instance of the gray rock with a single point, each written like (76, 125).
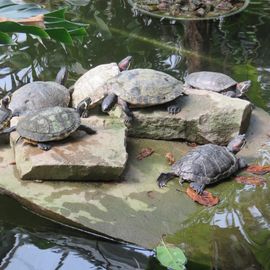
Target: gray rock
(101, 156)
(205, 117)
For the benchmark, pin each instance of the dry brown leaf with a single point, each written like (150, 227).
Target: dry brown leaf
(250, 180)
(206, 198)
(145, 152)
(258, 169)
(36, 20)
(170, 158)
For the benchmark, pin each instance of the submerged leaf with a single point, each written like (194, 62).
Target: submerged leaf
(170, 158)
(257, 169)
(145, 152)
(250, 180)
(206, 198)
(171, 257)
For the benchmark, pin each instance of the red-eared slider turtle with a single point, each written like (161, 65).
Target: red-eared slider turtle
(37, 95)
(90, 83)
(207, 164)
(5, 116)
(217, 82)
(52, 124)
(142, 88)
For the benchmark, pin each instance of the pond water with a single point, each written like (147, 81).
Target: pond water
(239, 228)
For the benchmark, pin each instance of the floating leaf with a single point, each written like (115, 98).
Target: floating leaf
(170, 158)
(250, 180)
(257, 169)
(206, 198)
(171, 257)
(145, 152)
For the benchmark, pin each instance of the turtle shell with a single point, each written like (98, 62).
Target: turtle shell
(5, 116)
(37, 95)
(145, 87)
(90, 84)
(50, 124)
(206, 164)
(207, 80)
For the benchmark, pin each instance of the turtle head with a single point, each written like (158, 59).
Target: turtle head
(6, 100)
(108, 102)
(236, 144)
(83, 106)
(243, 87)
(124, 63)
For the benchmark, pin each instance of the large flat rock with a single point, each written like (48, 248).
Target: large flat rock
(101, 156)
(205, 117)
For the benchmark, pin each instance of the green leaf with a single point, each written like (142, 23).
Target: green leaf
(5, 39)
(60, 34)
(172, 257)
(60, 13)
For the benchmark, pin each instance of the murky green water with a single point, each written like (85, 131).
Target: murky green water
(236, 235)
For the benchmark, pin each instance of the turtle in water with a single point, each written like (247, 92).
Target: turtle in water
(90, 83)
(37, 95)
(206, 165)
(52, 124)
(142, 88)
(217, 82)
(5, 115)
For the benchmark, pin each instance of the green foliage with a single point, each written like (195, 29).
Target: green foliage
(56, 26)
(172, 257)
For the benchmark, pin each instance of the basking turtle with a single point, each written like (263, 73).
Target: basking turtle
(207, 164)
(90, 83)
(37, 95)
(5, 116)
(142, 88)
(52, 124)
(217, 82)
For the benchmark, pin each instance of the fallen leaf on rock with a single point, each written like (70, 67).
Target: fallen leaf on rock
(206, 198)
(250, 180)
(169, 156)
(150, 194)
(258, 169)
(145, 152)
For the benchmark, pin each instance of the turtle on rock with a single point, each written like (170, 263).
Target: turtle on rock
(5, 115)
(52, 124)
(217, 82)
(38, 95)
(90, 84)
(139, 88)
(207, 164)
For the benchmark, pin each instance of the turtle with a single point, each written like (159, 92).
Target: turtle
(5, 115)
(52, 124)
(39, 94)
(206, 164)
(142, 88)
(90, 83)
(217, 82)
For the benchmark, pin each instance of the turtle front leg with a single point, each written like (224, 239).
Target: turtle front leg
(197, 187)
(175, 107)
(8, 130)
(129, 114)
(164, 178)
(44, 146)
(87, 129)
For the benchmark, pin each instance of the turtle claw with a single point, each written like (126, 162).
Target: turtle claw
(173, 109)
(44, 146)
(197, 187)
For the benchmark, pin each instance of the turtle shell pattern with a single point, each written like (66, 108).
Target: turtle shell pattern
(90, 83)
(145, 87)
(36, 95)
(207, 80)
(206, 164)
(5, 116)
(50, 124)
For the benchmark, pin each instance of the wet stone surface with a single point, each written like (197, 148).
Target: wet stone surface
(101, 156)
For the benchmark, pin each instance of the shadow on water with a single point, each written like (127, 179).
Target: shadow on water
(232, 235)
